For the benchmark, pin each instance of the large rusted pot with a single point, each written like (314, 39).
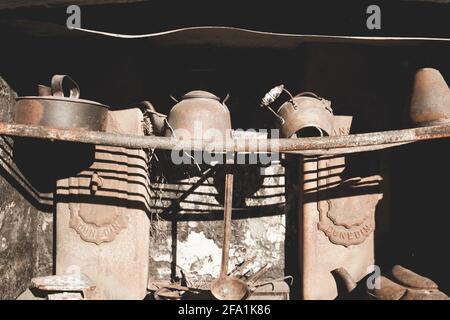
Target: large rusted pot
(430, 100)
(52, 109)
(199, 113)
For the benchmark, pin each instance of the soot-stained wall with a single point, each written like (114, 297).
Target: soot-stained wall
(25, 231)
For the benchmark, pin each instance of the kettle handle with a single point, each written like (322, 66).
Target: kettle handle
(270, 97)
(57, 86)
(226, 98)
(148, 106)
(158, 120)
(310, 94)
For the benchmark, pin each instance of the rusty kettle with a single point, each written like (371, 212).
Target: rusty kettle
(305, 114)
(199, 115)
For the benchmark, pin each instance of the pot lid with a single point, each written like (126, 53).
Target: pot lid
(63, 99)
(200, 94)
(56, 92)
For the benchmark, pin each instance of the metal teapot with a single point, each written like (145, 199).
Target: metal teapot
(305, 114)
(199, 115)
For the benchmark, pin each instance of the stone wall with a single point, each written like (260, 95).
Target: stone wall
(25, 232)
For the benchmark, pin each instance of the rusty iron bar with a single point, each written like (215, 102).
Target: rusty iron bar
(228, 209)
(239, 269)
(310, 146)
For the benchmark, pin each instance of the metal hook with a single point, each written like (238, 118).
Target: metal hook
(226, 98)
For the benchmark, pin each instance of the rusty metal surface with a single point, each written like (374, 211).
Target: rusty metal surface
(406, 285)
(65, 296)
(347, 216)
(346, 278)
(199, 115)
(228, 287)
(58, 111)
(72, 282)
(101, 216)
(268, 289)
(240, 268)
(233, 287)
(388, 290)
(430, 101)
(253, 38)
(310, 146)
(277, 291)
(44, 90)
(306, 110)
(156, 119)
(198, 112)
(388, 287)
(425, 295)
(257, 274)
(336, 221)
(254, 286)
(166, 290)
(228, 208)
(411, 279)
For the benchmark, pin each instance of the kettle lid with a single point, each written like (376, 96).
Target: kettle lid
(200, 94)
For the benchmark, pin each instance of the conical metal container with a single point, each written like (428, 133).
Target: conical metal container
(430, 100)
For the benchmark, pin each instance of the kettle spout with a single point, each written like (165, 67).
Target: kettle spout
(44, 90)
(156, 119)
(344, 279)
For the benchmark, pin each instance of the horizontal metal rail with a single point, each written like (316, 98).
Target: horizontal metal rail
(306, 146)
